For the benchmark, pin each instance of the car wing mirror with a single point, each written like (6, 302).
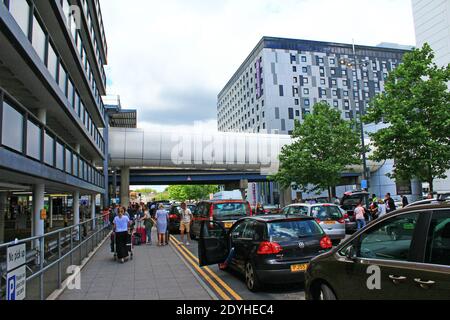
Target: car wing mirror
(350, 253)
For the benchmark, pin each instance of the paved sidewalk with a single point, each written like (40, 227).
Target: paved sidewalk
(155, 273)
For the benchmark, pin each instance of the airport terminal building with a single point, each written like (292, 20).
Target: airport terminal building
(52, 144)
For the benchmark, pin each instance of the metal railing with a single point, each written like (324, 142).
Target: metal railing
(49, 256)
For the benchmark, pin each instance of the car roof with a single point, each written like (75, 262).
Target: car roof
(313, 205)
(425, 207)
(223, 201)
(278, 217)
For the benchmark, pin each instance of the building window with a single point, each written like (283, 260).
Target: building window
(49, 149)
(20, 10)
(294, 69)
(303, 59)
(305, 80)
(297, 102)
(33, 141)
(332, 61)
(305, 91)
(39, 39)
(291, 113)
(281, 90)
(333, 71)
(277, 113)
(307, 103)
(297, 113)
(334, 82)
(346, 93)
(295, 79)
(305, 69)
(62, 79)
(12, 128)
(322, 81)
(344, 72)
(52, 62)
(336, 103)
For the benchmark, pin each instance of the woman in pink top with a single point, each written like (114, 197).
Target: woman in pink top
(359, 215)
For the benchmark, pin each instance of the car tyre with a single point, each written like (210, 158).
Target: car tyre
(326, 293)
(251, 279)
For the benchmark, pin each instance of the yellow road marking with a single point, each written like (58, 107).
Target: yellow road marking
(212, 273)
(205, 276)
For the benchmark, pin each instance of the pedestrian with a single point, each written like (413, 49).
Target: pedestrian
(359, 214)
(148, 223)
(381, 208)
(373, 209)
(185, 224)
(405, 201)
(162, 219)
(390, 203)
(121, 225)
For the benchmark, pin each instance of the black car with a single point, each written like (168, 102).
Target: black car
(266, 249)
(414, 263)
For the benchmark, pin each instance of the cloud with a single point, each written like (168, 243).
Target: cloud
(170, 59)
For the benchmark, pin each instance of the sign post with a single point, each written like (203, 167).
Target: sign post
(16, 278)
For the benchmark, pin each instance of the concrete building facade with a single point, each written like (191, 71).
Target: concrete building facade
(52, 145)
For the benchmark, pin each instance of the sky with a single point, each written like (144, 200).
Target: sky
(170, 59)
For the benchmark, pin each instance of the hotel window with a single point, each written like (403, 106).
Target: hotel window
(281, 90)
(20, 10)
(345, 93)
(305, 91)
(344, 72)
(303, 59)
(322, 71)
(322, 81)
(62, 79)
(291, 113)
(305, 69)
(33, 140)
(295, 91)
(333, 71)
(295, 79)
(334, 82)
(49, 148)
(59, 156)
(297, 113)
(294, 69)
(39, 39)
(307, 103)
(305, 80)
(335, 93)
(336, 103)
(70, 92)
(320, 60)
(345, 83)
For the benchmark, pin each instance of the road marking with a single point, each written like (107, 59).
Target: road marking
(212, 273)
(205, 276)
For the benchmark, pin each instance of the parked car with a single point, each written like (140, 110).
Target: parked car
(413, 265)
(329, 217)
(349, 202)
(272, 209)
(267, 249)
(225, 212)
(423, 202)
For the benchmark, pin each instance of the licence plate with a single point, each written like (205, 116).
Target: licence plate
(299, 267)
(228, 225)
(330, 222)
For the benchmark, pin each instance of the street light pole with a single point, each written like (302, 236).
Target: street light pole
(363, 143)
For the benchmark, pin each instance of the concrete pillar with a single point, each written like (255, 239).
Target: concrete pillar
(76, 212)
(3, 208)
(38, 205)
(93, 196)
(50, 212)
(125, 186)
(42, 115)
(106, 163)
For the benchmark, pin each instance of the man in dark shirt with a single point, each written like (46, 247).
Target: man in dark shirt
(390, 203)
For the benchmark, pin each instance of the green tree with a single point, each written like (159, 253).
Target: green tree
(416, 108)
(191, 192)
(324, 145)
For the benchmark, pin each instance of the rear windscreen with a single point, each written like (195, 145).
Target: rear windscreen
(288, 230)
(230, 210)
(326, 213)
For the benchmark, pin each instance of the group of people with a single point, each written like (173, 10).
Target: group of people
(124, 220)
(378, 208)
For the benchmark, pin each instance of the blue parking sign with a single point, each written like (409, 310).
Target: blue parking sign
(12, 288)
(364, 184)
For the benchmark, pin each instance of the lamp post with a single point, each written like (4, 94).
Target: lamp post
(363, 143)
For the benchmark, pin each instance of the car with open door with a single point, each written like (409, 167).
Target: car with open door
(265, 249)
(375, 265)
(349, 202)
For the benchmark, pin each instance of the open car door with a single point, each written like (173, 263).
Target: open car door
(213, 244)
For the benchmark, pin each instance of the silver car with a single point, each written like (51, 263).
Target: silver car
(329, 216)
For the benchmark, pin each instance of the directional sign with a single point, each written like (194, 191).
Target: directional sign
(16, 282)
(16, 257)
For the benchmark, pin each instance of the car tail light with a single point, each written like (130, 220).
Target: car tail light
(326, 243)
(342, 220)
(318, 220)
(269, 248)
(266, 211)
(346, 216)
(173, 217)
(211, 213)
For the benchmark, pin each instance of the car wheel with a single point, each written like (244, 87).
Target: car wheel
(326, 293)
(251, 279)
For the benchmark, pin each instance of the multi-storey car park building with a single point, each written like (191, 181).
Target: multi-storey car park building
(282, 79)
(52, 57)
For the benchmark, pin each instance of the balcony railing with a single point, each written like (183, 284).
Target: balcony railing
(21, 132)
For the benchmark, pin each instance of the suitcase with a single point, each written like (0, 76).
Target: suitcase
(143, 234)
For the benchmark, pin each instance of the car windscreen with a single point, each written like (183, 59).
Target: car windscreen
(293, 230)
(352, 201)
(326, 213)
(230, 209)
